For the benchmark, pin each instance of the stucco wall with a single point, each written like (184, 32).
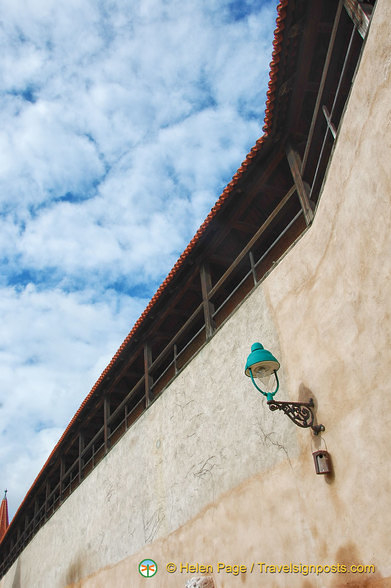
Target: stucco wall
(203, 436)
(208, 473)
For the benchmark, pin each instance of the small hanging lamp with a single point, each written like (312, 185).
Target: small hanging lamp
(262, 364)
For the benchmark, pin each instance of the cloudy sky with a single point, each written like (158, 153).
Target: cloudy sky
(121, 124)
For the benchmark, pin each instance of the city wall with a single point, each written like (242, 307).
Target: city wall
(208, 474)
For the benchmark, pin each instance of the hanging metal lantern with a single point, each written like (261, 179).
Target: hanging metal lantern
(322, 462)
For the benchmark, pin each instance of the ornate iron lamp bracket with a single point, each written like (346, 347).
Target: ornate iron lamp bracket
(299, 412)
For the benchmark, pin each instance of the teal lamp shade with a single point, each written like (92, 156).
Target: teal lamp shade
(261, 362)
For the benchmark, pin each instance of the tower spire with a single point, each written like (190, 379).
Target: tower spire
(3, 516)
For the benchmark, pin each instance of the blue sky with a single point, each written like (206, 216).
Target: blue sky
(122, 122)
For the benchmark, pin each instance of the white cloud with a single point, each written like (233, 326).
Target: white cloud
(121, 124)
(51, 353)
(49, 159)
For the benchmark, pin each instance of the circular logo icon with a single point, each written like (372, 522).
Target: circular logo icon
(147, 568)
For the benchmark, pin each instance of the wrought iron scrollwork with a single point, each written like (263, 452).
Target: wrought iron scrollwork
(299, 412)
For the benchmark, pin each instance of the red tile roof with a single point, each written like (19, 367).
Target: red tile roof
(3, 516)
(227, 192)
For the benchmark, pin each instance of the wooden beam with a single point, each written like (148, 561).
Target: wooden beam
(253, 270)
(322, 84)
(253, 240)
(220, 260)
(47, 492)
(177, 335)
(331, 126)
(35, 510)
(62, 469)
(175, 358)
(81, 461)
(127, 398)
(106, 416)
(243, 227)
(128, 378)
(161, 317)
(206, 286)
(359, 17)
(302, 190)
(70, 444)
(177, 312)
(329, 116)
(148, 379)
(307, 51)
(253, 192)
(348, 57)
(93, 440)
(159, 336)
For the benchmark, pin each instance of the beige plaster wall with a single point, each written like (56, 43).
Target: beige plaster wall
(208, 474)
(202, 437)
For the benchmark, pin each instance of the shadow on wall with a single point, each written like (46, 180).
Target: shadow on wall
(75, 571)
(305, 394)
(318, 441)
(348, 555)
(16, 581)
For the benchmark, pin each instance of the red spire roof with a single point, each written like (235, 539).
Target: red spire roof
(3, 516)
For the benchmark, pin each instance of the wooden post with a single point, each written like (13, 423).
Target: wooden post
(252, 265)
(106, 416)
(47, 498)
(302, 191)
(330, 125)
(62, 469)
(359, 17)
(322, 84)
(175, 358)
(35, 512)
(148, 376)
(206, 286)
(81, 461)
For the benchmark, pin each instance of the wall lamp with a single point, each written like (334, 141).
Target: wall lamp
(261, 364)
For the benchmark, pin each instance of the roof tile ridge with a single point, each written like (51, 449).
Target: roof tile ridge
(277, 44)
